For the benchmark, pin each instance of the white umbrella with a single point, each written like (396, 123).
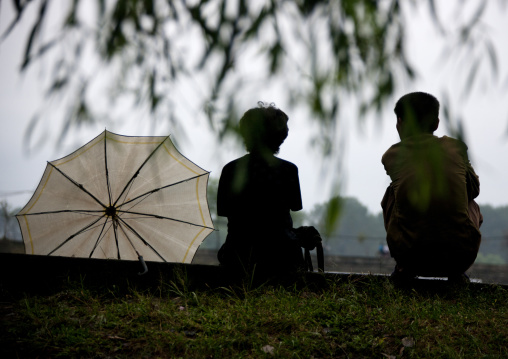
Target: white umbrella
(119, 197)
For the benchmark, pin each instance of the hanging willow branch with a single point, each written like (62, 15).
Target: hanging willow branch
(323, 51)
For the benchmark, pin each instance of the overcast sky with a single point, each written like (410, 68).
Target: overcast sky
(485, 116)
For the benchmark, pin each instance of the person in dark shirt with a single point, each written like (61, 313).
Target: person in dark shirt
(256, 193)
(431, 218)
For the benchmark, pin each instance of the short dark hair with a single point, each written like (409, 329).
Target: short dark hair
(264, 128)
(419, 106)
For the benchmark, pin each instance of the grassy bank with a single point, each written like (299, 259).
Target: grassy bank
(352, 317)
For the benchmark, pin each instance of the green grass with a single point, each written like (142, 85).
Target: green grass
(352, 318)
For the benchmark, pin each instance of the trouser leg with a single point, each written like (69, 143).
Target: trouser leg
(424, 258)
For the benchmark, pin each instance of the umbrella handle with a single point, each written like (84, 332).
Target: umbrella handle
(145, 268)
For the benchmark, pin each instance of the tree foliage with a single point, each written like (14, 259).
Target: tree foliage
(355, 220)
(8, 225)
(139, 52)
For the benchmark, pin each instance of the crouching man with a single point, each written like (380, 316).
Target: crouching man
(431, 218)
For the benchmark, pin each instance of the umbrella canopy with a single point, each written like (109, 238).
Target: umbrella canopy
(119, 197)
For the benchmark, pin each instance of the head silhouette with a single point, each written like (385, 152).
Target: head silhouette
(417, 112)
(264, 129)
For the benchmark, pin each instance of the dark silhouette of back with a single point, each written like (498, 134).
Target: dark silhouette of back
(256, 193)
(431, 218)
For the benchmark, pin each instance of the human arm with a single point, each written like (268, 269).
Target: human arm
(295, 193)
(472, 179)
(387, 204)
(472, 182)
(223, 194)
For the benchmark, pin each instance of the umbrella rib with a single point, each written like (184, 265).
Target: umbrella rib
(90, 228)
(141, 238)
(80, 186)
(158, 189)
(107, 170)
(127, 192)
(116, 241)
(66, 211)
(98, 239)
(132, 244)
(74, 235)
(139, 169)
(162, 217)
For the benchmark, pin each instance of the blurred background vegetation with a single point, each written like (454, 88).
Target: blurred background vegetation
(358, 232)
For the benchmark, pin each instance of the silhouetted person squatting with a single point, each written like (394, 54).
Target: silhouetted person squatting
(256, 193)
(431, 218)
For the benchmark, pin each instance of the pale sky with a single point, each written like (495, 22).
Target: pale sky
(485, 116)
